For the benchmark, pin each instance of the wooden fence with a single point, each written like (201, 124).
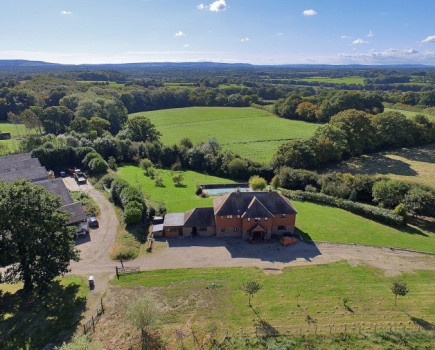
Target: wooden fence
(89, 326)
(125, 270)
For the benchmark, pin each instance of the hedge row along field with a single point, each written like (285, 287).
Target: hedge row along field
(252, 133)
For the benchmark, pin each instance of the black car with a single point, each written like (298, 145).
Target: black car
(93, 222)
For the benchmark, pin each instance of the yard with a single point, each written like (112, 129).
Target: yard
(324, 223)
(301, 299)
(177, 199)
(17, 131)
(250, 132)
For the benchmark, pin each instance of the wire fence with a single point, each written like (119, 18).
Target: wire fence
(89, 326)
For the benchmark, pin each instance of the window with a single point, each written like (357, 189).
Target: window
(282, 216)
(222, 230)
(229, 216)
(281, 228)
(173, 229)
(249, 219)
(265, 219)
(238, 216)
(257, 219)
(235, 229)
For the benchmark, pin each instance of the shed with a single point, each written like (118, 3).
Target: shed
(173, 224)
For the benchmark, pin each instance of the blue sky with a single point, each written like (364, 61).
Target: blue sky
(253, 31)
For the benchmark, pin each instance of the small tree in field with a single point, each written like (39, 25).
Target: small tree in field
(143, 313)
(178, 179)
(257, 183)
(251, 288)
(399, 288)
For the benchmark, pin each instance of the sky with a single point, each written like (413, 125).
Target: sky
(247, 31)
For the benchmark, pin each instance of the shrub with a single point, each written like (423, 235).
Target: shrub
(420, 201)
(389, 193)
(275, 182)
(401, 211)
(310, 188)
(145, 163)
(89, 156)
(378, 214)
(98, 166)
(130, 194)
(257, 183)
(89, 205)
(107, 180)
(117, 186)
(133, 212)
(296, 179)
(112, 163)
(158, 181)
(198, 190)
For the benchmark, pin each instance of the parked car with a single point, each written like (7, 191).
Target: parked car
(93, 222)
(82, 230)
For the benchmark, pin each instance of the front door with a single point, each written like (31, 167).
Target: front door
(194, 231)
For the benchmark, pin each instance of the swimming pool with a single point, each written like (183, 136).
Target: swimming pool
(223, 190)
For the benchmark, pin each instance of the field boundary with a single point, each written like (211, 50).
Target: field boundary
(89, 325)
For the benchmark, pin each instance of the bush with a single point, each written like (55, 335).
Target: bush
(89, 205)
(145, 163)
(257, 183)
(98, 166)
(378, 214)
(106, 181)
(198, 190)
(130, 194)
(117, 186)
(133, 212)
(420, 201)
(389, 193)
(89, 156)
(296, 179)
(401, 211)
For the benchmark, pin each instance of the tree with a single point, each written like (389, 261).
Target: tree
(329, 144)
(389, 193)
(420, 201)
(99, 125)
(399, 288)
(394, 129)
(56, 119)
(140, 128)
(33, 235)
(307, 111)
(143, 313)
(257, 183)
(178, 179)
(360, 133)
(251, 288)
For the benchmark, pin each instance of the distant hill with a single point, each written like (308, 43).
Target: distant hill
(27, 63)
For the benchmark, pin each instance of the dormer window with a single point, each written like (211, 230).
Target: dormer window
(229, 216)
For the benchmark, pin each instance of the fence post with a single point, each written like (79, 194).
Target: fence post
(84, 329)
(376, 327)
(359, 329)
(102, 306)
(93, 324)
(117, 274)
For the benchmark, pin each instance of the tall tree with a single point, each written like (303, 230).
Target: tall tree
(140, 128)
(56, 119)
(33, 235)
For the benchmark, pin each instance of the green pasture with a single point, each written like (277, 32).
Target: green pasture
(343, 80)
(324, 223)
(17, 131)
(408, 114)
(252, 133)
(307, 298)
(177, 199)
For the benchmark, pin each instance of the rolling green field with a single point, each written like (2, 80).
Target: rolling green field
(177, 199)
(324, 223)
(406, 113)
(253, 133)
(301, 298)
(344, 80)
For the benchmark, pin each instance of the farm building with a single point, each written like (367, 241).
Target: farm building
(23, 166)
(250, 215)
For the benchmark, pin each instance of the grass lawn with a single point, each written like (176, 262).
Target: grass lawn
(324, 223)
(51, 317)
(253, 133)
(16, 131)
(306, 298)
(415, 164)
(344, 80)
(177, 199)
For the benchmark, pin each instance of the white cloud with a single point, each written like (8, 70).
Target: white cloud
(66, 13)
(186, 45)
(309, 12)
(390, 56)
(370, 34)
(244, 40)
(218, 5)
(345, 37)
(429, 39)
(180, 33)
(359, 41)
(201, 6)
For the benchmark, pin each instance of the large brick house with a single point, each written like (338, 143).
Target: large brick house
(250, 215)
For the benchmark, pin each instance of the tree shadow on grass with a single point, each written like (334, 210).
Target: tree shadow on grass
(413, 231)
(36, 319)
(423, 323)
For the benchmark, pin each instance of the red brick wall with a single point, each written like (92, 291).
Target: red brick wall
(228, 225)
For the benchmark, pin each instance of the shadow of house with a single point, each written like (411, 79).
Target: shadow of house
(272, 251)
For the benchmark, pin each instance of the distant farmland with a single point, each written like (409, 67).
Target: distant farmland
(344, 80)
(250, 132)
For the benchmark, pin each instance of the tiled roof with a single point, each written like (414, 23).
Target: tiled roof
(12, 166)
(56, 187)
(256, 209)
(36, 174)
(200, 217)
(15, 158)
(77, 213)
(237, 203)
